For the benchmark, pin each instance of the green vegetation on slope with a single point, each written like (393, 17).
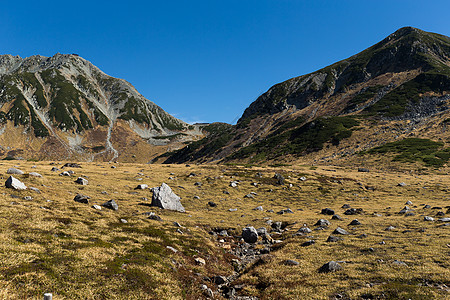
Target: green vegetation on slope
(416, 150)
(65, 101)
(362, 97)
(395, 102)
(305, 139)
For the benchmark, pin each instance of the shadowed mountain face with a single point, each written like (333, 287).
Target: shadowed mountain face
(404, 79)
(66, 106)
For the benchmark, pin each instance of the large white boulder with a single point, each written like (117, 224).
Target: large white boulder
(165, 198)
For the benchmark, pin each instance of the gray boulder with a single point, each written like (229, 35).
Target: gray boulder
(14, 183)
(339, 230)
(249, 234)
(82, 198)
(331, 266)
(82, 181)
(323, 223)
(165, 198)
(111, 204)
(14, 171)
(141, 187)
(35, 174)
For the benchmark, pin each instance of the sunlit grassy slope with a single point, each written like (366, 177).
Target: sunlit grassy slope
(51, 243)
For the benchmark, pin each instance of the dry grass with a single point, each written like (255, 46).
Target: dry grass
(54, 244)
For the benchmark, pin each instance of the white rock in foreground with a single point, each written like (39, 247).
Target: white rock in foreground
(14, 183)
(165, 198)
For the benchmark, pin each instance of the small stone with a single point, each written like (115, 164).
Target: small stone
(172, 249)
(82, 198)
(408, 203)
(355, 222)
(261, 231)
(389, 228)
(308, 243)
(123, 221)
(28, 198)
(249, 234)
(232, 209)
(427, 218)
(327, 211)
(219, 280)
(212, 204)
(111, 204)
(260, 208)
(141, 187)
(97, 207)
(279, 178)
(200, 261)
(153, 216)
(249, 196)
(331, 266)
(14, 171)
(55, 169)
(339, 230)
(401, 184)
(35, 174)
(196, 197)
(333, 239)
(35, 189)
(304, 230)
(363, 170)
(353, 211)
(290, 262)
(323, 223)
(82, 181)
(444, 220)
(234, 184)
(336, 217)
(399, 263)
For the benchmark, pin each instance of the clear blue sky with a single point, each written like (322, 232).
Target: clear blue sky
(207, 60)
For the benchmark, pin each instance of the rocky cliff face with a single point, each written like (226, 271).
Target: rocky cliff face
(67, 102)
(404, 78)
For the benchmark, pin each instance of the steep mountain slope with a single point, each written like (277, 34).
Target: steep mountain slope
(68, 107)
(402, 83)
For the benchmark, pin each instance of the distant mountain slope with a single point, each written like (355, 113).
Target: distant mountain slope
(402, 80)
(73, 108)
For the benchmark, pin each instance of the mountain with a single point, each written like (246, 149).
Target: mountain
(63, 106)
(398, 88)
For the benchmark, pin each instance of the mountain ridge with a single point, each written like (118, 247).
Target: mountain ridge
(404, 77)
(68, 98)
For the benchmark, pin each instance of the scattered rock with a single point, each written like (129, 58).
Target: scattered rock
(153, 216)
(427, 218)
(35, 174)
(408, 203)
(290, 262)
(71, 165)
(355, 222)
(111, 204)
(405, 210)
(219, 280)
(304, 231)
(82, 181)
(14, 171)
(333, 239)
(35, 189)
(331, 266)
(82, 198)
(353, 211)
(327, 211)
(280, 179)
(249, 234)
(339, 230)
(336, 217)
(323, 223)
(260, 208)
(212, 204)
(123, 221)
(232, 209)
(97, 207)
(308, 243)
(141, 187)
(14, 183)
(285, 211)
(401, 184)
(172, 249)
(444, 220)
(399, 263)
(363, 170)
(200, 261)
(389, 228)
(165, 198)
(234, 184)
(55, 169)
(249, 196)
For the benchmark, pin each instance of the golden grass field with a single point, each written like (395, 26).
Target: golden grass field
(53, 244)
